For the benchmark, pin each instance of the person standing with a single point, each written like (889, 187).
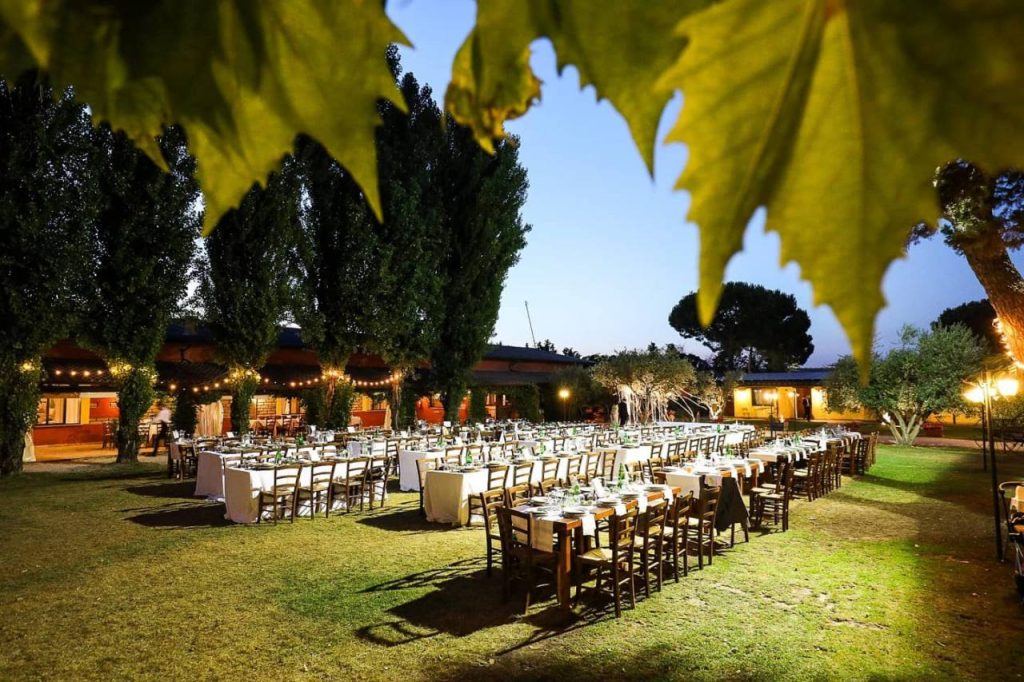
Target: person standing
(163, 422)
(807, 408)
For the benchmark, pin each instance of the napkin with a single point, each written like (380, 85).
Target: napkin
(589, 524)
(620, 509)
(543, 533)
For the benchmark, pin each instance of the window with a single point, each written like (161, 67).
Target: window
(764, 396)
(57, 410)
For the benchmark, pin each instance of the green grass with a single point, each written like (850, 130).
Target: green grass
(117, 573)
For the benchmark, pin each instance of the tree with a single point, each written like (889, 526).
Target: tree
(646, 380)
(571, 352)
(245, 286)
(142, 243)
(983, 220)
(478, 405)
(979, 317)
(367, 285)
(482, 233)
(754, 328)
(708, 394)
(46, 205)
(773, 90)
(924, 374)
(584, 392)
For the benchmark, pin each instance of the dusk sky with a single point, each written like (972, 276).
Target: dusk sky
(611, 251)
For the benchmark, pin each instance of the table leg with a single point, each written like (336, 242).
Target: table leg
(563, 571)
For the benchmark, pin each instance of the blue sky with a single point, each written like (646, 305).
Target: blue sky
(611, 251)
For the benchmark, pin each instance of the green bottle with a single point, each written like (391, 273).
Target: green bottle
(622, 475)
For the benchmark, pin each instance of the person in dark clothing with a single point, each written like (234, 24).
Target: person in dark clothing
(163, 422)
(807, 408)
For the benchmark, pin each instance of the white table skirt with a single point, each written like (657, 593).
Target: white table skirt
(447, 493)
(408, 476)
(687, 483)
(210, 474)
(629, 455)
(242, 491)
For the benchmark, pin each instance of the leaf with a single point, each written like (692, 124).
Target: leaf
(835, 116)
(621, 50)
(243, 78)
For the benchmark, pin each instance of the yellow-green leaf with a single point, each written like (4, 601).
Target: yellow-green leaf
(621, 49)
(242, 77)
(834, 115)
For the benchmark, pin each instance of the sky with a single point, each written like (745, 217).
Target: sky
(611, 252)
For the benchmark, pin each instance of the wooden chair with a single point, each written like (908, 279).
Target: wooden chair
(350, 485)
(676, 534)
(702, 525)
(318, 490)
(608, 464)
(548, 475)
(521, 561)
(805, 481)
(453, 456)
(522, 473)
(109, 434)
(496, 478)
(572, 469)
(378, 471)
(489, 501)
(517, 495)
(281, 497)
(650, 538)
(591, 467)
(616, 559)
(774, 501)
(422, 467)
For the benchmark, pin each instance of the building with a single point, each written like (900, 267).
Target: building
(79, 397)
(791, 395)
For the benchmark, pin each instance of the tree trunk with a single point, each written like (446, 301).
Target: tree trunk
(19, 399)
(1005, 288)
(905, 429)
(134, 396)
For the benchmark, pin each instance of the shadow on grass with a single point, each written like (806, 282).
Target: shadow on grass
(166, 489)
(479, 605)
(180, 515)
(404, 518)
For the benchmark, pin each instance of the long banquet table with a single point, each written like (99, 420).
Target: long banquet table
(242, 490)
(563, 528)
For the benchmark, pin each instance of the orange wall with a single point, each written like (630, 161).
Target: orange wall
(71, 433)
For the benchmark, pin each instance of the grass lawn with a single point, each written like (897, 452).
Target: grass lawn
(118, 573)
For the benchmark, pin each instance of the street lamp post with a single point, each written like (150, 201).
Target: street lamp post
(984, 392)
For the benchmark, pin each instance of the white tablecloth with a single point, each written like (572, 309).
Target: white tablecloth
(242, 491)
(210, 475)
(358, 448)
(629, 455)
(408, 477)
(447, 493)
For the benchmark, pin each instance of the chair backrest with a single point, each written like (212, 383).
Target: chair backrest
(286, 476)
(357, 467)
(549, 468)
(423, 466)
(523, 473)
(377, 468)
(490, 500)
(592, 465)
(573, 465)
(476, 451)
(622, 531)
(654, 518)
(321, 473)
(496, 475)
(608, 464)
(679, 510)
(709, 504)
(453, 455)
(517, 495)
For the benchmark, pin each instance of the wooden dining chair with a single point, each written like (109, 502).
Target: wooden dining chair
(489, 501)
(676, 534)
(422, 467)
(649, 544)
(702, 525)
(318, 490)
(281, 496)
(616, 560)
(522, 562)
